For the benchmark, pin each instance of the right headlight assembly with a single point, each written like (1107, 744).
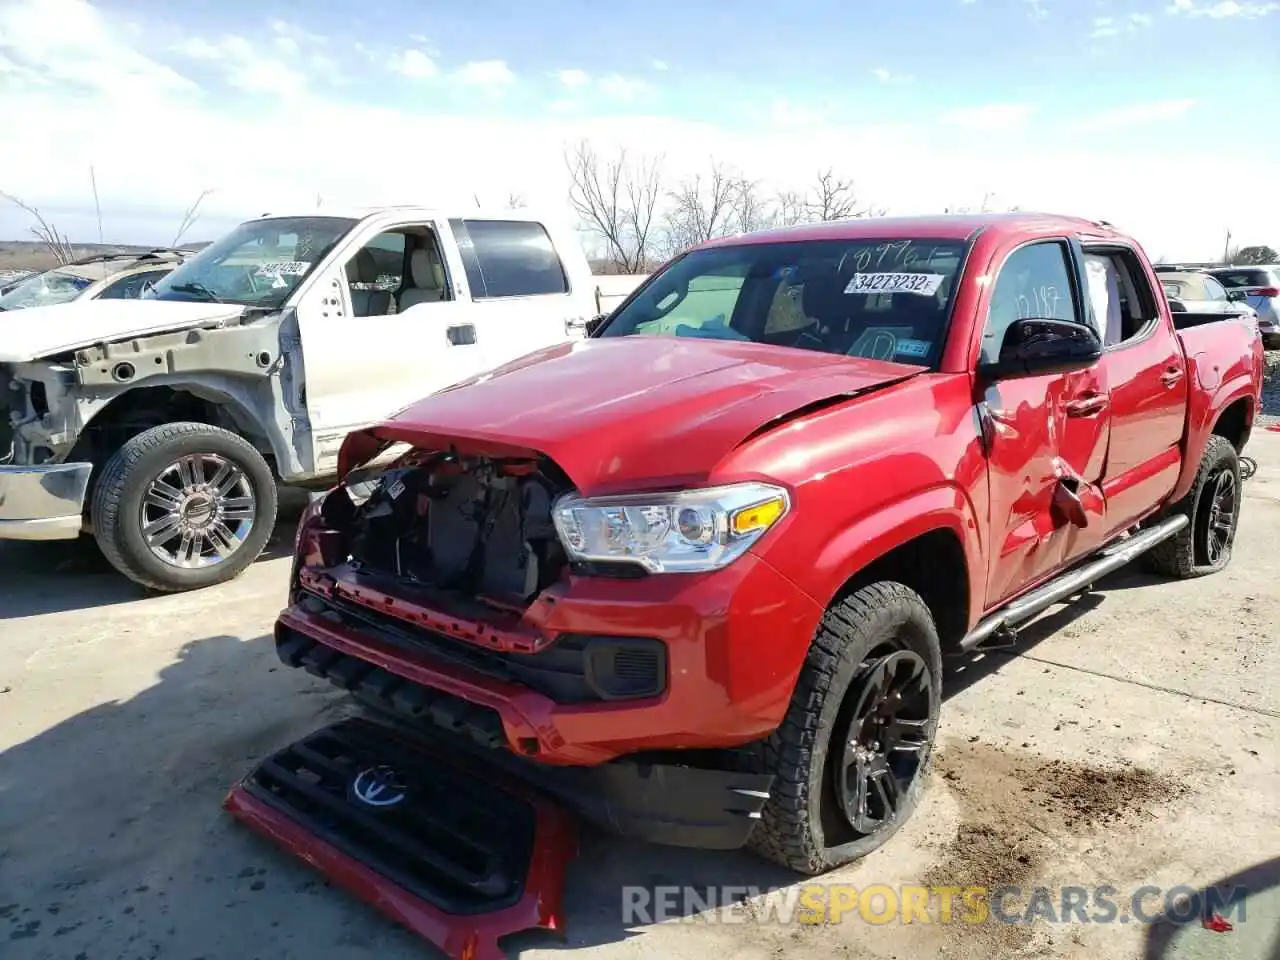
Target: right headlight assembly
(685, 531)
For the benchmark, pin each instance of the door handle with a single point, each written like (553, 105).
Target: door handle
(1087, 405)
(461, 335)
(575, 325)
(1171, 376)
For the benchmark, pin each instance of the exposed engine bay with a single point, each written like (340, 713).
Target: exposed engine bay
(477, 527)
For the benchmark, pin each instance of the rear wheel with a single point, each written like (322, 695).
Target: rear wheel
(183, 506)
(851, 757)
(1212, 506)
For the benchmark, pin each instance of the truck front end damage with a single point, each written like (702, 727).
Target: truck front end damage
(438, 591)
(42, 497)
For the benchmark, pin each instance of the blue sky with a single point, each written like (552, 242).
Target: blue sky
(1113, 108)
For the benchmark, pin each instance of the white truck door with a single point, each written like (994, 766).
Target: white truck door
(530, 287)
(382, 327)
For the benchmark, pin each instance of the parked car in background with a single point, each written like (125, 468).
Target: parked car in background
(1194, 291)
(103, 276)
(11, 278)
(162, 425)
(1260, 288)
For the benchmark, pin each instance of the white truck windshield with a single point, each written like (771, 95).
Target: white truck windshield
(259, 263)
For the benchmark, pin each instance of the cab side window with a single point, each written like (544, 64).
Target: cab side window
(1034, 283)
(132, 287)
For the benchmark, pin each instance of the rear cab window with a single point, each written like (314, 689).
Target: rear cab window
(509, 258)
(1240, 279)
(879, 299)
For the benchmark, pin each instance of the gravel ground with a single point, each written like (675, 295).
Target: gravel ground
(1128, 739)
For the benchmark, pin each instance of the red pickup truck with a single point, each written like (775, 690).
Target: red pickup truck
(695, 576)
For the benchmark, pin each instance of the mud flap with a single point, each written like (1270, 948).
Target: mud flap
(437, 842)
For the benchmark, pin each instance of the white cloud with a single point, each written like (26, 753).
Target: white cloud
(486, 73)
(243, 65)
(1036, 9)
(1104, 27)
(885, 75)
(991, 117)
(414, 64)
(69, 42)
(624, 88)
(659, 65)
(1223, 10)
(917, 166)
(573, 79)
(1127, 117)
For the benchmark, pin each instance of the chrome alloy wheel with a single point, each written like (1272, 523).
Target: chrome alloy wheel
(198, 511)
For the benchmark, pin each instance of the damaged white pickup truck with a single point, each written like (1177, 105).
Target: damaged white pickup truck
(162, 426)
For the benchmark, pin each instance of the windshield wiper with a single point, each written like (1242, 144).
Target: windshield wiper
(198, 288)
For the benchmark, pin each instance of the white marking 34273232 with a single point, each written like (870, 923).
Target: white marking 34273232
(925, 284)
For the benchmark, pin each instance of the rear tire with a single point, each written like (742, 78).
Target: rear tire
(183, 506)
(872, 678)
(1212, 505)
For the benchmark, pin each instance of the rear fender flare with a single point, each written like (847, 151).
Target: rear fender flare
(1202, 420)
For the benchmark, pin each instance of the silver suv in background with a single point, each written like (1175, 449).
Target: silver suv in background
(1260, 287)
(104, 276)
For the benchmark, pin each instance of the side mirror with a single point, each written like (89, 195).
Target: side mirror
(1034, 347)
(1237, 296)
(595, 323)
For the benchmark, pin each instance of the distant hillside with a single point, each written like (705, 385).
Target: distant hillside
(33, 255)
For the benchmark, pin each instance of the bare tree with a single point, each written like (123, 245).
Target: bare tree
(616, 200)
(703, 208)
(789, 208)
(97, 206)
(515, 201)
(833, 198)
(190, 217)
(44, 231)
(829, 197)
(751, 211)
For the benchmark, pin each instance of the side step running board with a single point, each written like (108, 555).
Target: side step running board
(1002, 624)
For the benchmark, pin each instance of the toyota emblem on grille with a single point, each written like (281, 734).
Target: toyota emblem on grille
(379, 786)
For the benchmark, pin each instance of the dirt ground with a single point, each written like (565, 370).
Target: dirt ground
(1132, 738)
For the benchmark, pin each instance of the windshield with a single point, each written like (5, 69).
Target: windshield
(885, 300)
(45, 290)
(259, 263)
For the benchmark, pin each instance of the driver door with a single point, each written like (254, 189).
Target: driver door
(1047, 435)
(380, 330)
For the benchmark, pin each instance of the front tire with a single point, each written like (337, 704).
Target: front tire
(1212, 505)
(184, 506)
(851, 757)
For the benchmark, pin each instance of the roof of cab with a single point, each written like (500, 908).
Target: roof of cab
(961, 226)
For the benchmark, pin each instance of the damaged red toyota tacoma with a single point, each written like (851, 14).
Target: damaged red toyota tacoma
(693, 579)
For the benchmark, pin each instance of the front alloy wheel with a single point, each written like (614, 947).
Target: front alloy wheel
(183, 506)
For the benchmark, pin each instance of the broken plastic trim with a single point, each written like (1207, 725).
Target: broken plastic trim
(463, 861)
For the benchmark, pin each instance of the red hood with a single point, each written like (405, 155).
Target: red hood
(628, 412)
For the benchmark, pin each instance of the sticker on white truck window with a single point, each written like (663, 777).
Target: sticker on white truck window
(290, 268)
(925, 284)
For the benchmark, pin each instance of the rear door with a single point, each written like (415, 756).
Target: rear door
(527, 289)
(1147, 374)
(1047, 435)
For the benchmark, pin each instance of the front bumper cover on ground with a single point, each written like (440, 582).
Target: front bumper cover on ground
(43, 502)
(455, 853)
(665, 799)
